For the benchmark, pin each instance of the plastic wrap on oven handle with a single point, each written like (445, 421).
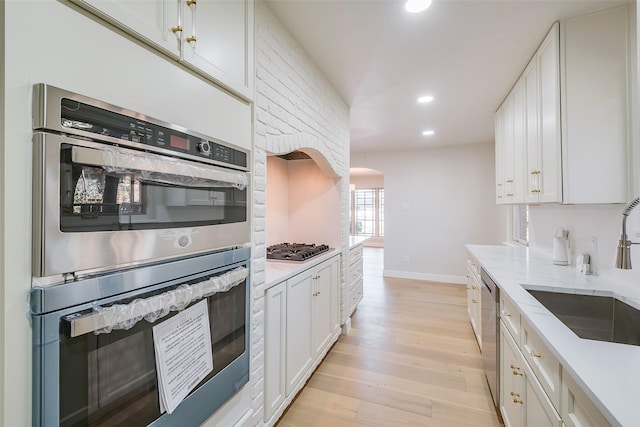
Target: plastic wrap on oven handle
(162, 169)
(125, 316)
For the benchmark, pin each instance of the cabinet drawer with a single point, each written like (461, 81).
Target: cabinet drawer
(511, 317)
(544, 364)
(355, 272)
(354, 297)
(355, 255)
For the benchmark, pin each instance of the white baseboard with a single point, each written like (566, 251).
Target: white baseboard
(445, 278)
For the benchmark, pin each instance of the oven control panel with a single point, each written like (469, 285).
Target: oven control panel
(83, 117)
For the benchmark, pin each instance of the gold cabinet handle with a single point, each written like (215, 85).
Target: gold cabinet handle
(191, 2)
(514, 367)
(518, 401)
(535, 191)
(509, 194)
(507, 314)
(474, 301)
(517, 373)
(509, 181)
(535, 172)
(514, 394)
(176, 29)
(534, 354)
(190, 39)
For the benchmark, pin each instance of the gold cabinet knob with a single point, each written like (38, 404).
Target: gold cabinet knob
(474, 301)
(191, 2)
(534, 354)
(517, 373)
(176, 29)
(190, 39)
(514, 394)
(518, 401)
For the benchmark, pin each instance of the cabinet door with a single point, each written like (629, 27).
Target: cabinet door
(512, 383)
(499, 148)
(517, 176)
(323, 311)
(150, 20)
(595, 101)
(508, 148)
(532, 143)
(549, 149)
(275, 324)
(299, 347)
(218, 40)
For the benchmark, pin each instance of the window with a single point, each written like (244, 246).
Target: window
(521, 224)
(367, 212)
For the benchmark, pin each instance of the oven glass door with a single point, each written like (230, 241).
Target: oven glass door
(106, 188)
(110, 379)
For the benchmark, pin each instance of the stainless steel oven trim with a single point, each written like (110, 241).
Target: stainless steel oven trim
(46, 302)
(48, 299)
(47, 111)
(61, 253)
(115, 316)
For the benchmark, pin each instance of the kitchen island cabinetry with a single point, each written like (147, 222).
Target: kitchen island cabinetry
(354, 278)
(301, 323)
(581, 59)
(213, 37)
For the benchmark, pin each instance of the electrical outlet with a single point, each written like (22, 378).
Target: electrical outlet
(405, 259)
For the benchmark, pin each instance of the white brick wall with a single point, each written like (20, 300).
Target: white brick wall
(295, 108)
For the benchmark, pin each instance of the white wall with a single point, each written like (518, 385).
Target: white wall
(296, 109)
(367, 181)
(277, 201)
(53, 42)
(436, 200)
(303, 204)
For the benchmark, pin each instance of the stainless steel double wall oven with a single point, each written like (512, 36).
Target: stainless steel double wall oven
(135, 221)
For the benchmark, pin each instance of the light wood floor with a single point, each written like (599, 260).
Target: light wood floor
(410, 359)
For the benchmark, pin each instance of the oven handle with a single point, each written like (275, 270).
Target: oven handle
(125, 316)
(155, 168)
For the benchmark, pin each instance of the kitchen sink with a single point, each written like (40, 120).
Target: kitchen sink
(593, 317)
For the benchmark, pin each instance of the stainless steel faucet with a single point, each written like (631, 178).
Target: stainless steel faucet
(623, 259)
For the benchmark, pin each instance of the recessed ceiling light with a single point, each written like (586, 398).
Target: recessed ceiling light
(428, 132)
(415, 6)
(425, 99)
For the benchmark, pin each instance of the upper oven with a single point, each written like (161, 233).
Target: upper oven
(114, 188)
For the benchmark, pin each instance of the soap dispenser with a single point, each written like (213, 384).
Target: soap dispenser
(561, 247)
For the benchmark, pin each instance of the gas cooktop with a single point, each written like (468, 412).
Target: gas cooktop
(294, 251)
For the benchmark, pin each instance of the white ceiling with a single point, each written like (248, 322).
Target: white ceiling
(379, 58)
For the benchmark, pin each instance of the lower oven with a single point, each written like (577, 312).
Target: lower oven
(115, 188)
(102, 346)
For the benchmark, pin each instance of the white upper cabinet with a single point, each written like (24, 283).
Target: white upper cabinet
(212, 37)
(218, 39)
(541, 80)
(573, 96)
(594, 51)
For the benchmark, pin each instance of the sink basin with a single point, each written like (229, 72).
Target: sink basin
(593, 317)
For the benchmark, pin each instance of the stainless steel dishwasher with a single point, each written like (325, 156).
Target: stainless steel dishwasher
(489, 300)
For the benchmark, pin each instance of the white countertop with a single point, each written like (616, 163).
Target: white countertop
(608, 373)
(356, 240)
(279, 271)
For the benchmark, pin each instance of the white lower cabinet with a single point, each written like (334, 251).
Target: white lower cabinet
(523, 402)
(275, 322)
(301, 322)
(577, 409)
(474, 286)
(354, 279)
(298, 332)
(535, 390)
